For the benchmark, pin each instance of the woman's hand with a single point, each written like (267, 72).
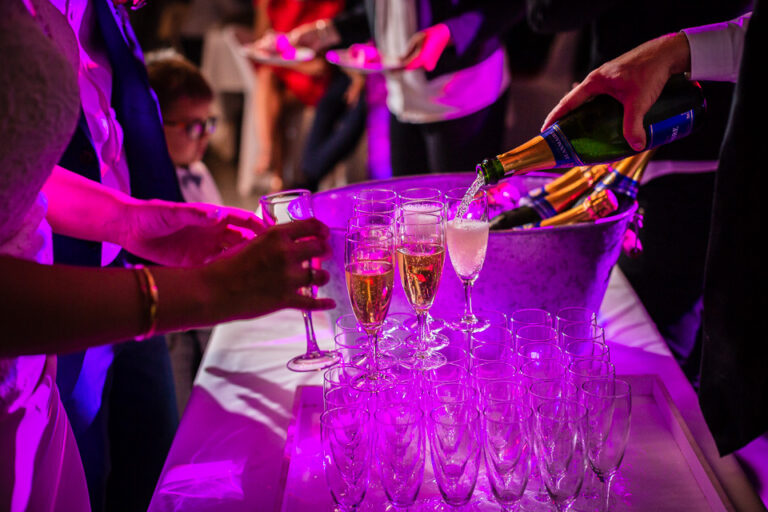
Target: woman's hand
(267, 273)
(635, 78)
(185, 234)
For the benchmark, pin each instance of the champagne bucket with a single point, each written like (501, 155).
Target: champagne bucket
(547, 268)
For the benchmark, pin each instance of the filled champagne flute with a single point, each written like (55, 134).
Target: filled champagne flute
(370, 274)
(420, 259)
(280, 208)
(467, 240)
(425, 200)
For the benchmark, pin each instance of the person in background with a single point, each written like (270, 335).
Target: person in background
(186, 106)
(302, 83)
(221, 263)
(676, 193)
(733, 390)
(448, 105)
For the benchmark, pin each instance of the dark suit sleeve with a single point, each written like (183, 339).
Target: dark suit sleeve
(552, 16)
(485, 20)
(352, 25)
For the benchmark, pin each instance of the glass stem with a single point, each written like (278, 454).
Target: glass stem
(605, 491)
(468, 315)
(374, 340)
(423, 331)
(312, 347)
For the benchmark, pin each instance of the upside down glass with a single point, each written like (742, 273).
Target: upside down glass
(508, 450)
(560, 449)
(609, 410)
(346, 454)
(281, 208)
(454, 439)
(400, 448)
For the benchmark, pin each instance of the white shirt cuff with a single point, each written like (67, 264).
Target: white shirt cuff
(716, 49)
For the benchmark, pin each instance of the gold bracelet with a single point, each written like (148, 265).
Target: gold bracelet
(150, 297)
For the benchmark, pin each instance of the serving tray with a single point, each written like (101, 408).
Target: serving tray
(663, 469)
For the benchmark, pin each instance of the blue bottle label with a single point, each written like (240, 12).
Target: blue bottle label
(565, 155)
(543, 207)
(671, 129)
(619, 184)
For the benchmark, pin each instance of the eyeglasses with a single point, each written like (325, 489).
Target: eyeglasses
(197, 128)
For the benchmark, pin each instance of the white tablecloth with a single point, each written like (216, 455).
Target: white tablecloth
(229, 455)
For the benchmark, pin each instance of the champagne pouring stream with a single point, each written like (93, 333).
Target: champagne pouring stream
(280, 208)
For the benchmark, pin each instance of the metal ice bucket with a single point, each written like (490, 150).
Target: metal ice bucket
(548, 268)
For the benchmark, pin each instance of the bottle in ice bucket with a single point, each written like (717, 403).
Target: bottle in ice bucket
(624, 178)
(597, 205)
(544, 205)
(592, 133)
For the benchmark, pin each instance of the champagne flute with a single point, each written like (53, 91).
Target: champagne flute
(560, 449)
(467, 240)
(425, 200)
(369, 267)
(609, 411)
(346, 454)
(420, 258)
(280, 208)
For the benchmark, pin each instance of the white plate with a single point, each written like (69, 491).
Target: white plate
(343, 59)
(278, 59)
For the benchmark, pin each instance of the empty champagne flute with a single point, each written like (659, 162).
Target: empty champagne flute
(420, 259)
(370, 274)
(281, 208)
(467, 240)
(508, 450)
(560, 449)
(345, 436)
(400, 448)
(454, 437)
(609, 412)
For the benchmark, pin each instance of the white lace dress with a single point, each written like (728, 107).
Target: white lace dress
(40, 468)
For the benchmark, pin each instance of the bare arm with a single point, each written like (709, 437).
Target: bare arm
(58, 308)
(161, 231)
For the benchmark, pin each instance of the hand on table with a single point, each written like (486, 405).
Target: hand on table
(267, 273)
(185, 234)
(635, 78)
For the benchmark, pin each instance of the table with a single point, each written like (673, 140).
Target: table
(229, 451)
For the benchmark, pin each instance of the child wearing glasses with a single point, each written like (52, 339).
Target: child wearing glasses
(186, 103)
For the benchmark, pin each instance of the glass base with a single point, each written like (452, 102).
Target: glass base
(314, 361)
(423, 360)
(474, 323)
(374, 381)
(389, 342)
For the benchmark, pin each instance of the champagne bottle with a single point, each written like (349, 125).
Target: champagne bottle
(624, 178)
(592, 133)
(545, 206)
(597, 205)
(561, 181)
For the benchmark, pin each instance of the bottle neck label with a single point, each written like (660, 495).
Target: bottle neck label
(562, 150)
(543, 207)
(619, 184)
(671, 129)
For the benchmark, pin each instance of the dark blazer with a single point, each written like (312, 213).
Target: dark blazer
(152, 173)
(477, 27)
(734, 381)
